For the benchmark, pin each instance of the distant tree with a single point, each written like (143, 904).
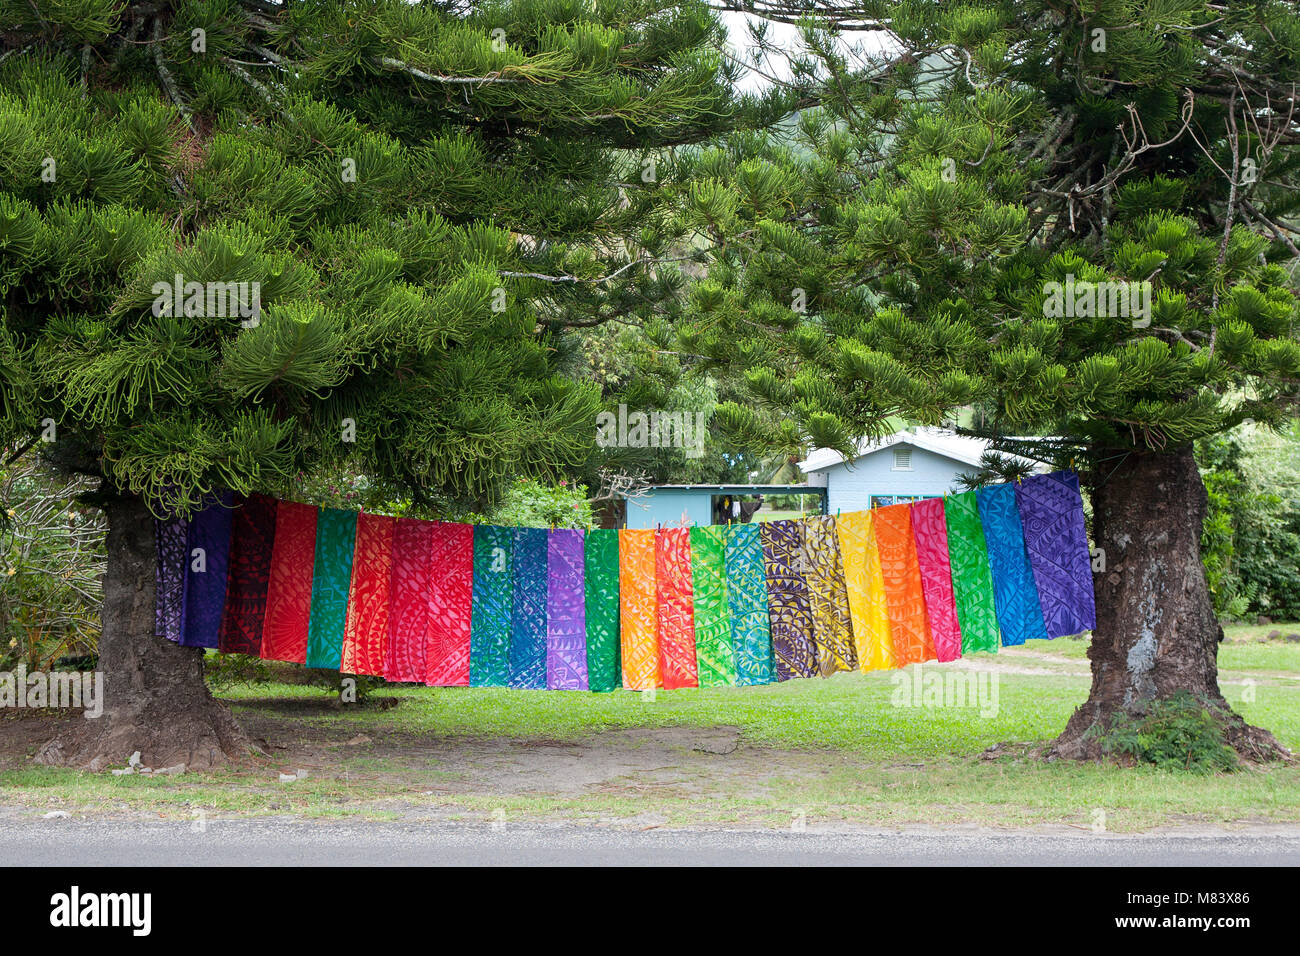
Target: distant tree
(962, 221)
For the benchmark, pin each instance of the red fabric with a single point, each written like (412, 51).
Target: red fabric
(366, 633)
(676, 608)
(288, 593)
(931, 533)
(408, 616)
(451, 578)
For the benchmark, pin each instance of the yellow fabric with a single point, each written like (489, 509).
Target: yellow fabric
(637, 609)
(868, 608)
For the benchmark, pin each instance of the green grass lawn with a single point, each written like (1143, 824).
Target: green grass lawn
(842, 751)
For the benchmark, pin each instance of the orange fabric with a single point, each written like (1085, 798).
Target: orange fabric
(908, 624)
(638, 615)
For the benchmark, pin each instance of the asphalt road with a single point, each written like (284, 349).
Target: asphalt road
(72, 842)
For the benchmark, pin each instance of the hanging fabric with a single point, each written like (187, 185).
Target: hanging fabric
(909, 625)
(528, 611)
(252, 538)
(451, 583)
(747, 605)
(601, 609)
(1051, 514)
(832, 623)
(931, 535)
(494, 589)
(972, 581)
(169, 576)
(207, 550)
(1020, 617)
(336, 532)
(794, 651)
(675, 608)
(288, 592)
(638, 616)
(408, 616)
(715, 657)
(868, 606)
(566, 622)
(365, 636)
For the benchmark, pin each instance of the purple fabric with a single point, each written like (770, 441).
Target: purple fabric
(566, 617)
(1051, 511)
(169, 576)
(205, 590)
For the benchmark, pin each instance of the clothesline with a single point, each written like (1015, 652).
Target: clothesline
(449, 604)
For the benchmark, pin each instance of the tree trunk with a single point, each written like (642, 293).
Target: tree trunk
(155, 699)
(1156, 628)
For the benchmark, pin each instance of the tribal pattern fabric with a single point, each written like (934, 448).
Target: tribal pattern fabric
(365, 636)
(638, 611)
(789, 606)
(972, 581)
(747, 605)
(566, 623)
(288, 593)
(868, 606)
(252, 540)
(494, 592)
(600, 586)
(909, 625)
(451, 584)
(1020, 616)
(1051, 514)
(832, 623)
(715, 657)
(931, 536)
(336, 531)
(408, 617)
(676, 612)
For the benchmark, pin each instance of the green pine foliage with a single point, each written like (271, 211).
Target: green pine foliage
(426, 199)
(893, 252)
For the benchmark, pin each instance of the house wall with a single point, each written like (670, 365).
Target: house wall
(850, 488)
(663, 507)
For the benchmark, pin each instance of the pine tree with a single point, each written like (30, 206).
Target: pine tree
(930, 235)
(424, 200)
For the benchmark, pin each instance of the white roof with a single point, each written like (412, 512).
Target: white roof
(941, 441)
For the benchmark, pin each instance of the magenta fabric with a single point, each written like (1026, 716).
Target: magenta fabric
(931, 534)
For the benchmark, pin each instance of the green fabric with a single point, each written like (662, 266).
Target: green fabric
(331, 583)
(972, 581)
(714, 654)
(604, 656)
(490, 618)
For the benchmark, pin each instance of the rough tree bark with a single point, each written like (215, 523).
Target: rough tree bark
(1156, 628)
(155, 699)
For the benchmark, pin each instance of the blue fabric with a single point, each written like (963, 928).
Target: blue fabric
(1015, 596)
(205, 590)
(528, 631)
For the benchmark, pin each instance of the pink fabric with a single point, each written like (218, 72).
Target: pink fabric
(931, 534)
(408, 594)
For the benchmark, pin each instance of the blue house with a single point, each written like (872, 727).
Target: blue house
(908, 465)
(911, 464)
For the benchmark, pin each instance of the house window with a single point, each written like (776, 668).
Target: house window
(902, 459)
